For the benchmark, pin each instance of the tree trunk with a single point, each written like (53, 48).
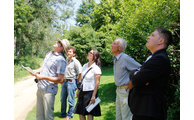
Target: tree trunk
(17, 41)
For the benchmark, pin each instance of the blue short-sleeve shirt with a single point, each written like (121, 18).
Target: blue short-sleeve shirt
(53, 64)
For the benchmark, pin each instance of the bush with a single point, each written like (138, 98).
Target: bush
(84, 39)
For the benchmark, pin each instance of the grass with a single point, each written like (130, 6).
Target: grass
(106, 93)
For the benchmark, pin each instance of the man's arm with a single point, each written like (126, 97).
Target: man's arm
(130, 86)
(150, 71)
(58, 79)
(78, 69)
(131, 64)
(79, 78)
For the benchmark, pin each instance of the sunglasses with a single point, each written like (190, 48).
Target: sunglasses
(60, 43)
(91, 53)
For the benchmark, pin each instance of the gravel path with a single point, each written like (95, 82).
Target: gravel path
(24, 97)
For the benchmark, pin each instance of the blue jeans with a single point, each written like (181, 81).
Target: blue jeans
(68, 90)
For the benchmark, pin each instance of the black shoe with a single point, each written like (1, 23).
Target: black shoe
(60, 116)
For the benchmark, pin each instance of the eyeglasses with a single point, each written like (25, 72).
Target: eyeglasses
(91, 53)
(60, 43)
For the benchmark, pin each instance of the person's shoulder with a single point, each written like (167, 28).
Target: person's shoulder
(85, 65)
(96, 67)
(161, 57)
(61, 58)
(76, 60)
(126, 57)
(50, 52)
(162, 54)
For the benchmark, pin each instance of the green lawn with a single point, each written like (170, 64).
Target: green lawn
(106, 93)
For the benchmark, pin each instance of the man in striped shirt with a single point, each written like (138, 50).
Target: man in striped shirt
(50, 74)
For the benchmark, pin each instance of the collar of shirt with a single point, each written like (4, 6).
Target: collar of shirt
(91, 65)
(153, 54)
(118, 56)
(148, 58)
(56, 53)
(72, 59)
(157, 51)
(86, 68)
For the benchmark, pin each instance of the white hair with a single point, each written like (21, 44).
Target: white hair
(122, 43)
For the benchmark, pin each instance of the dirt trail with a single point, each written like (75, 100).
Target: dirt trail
(24, 97)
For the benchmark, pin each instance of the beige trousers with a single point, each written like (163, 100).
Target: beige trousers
(123, 111)
(45, 105)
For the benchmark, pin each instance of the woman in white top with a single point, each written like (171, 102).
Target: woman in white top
(89, 92)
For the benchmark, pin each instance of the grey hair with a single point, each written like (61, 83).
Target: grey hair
(122, 43)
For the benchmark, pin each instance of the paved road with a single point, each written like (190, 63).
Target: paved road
(24, 97)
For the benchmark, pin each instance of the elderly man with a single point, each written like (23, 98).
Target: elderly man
(51, 73)
(123, 64)
(147, 97)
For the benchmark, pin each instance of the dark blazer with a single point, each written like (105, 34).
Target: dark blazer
(149, 100)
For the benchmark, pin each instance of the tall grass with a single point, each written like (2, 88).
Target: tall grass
(106, 93)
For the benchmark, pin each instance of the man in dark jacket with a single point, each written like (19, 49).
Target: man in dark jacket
(147, 96)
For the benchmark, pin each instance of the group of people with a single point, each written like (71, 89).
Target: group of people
(69, 72)
(140, 93)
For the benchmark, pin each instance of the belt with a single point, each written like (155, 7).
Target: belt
(122, 86)
(68, 80)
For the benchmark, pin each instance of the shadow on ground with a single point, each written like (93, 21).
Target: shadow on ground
(107, 94)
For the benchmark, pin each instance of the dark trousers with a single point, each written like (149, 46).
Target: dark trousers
(136, 117)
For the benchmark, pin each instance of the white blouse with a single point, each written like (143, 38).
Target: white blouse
(89, 80)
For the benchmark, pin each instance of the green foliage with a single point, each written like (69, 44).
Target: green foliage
(84, 39)
(174, 105)
(32, 62)
(108, 12)
(85, 12)
(38, 21)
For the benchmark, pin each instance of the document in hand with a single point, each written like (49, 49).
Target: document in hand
(29, 69)
(92, 106)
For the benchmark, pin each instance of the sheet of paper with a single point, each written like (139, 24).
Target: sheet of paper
(29, 69)
(90, 107)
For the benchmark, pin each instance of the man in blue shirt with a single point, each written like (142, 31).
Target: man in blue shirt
(123, 64)
(51, 73)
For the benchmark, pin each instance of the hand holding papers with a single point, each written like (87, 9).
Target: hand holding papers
(90, 107)
(29, 69)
